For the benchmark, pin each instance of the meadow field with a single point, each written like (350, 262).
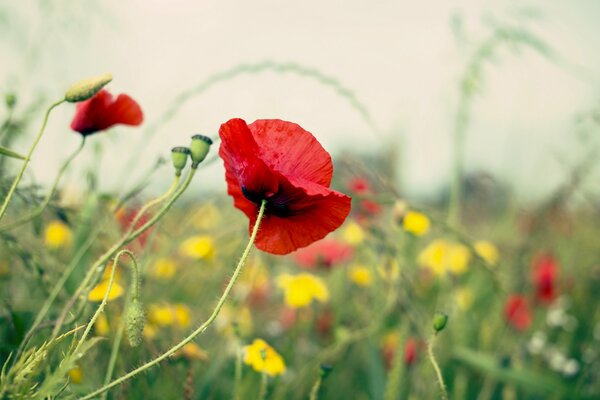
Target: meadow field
(257, 253)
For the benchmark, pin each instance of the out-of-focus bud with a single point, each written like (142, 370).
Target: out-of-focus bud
(179, 156)
(439, 321)
(199, 149)
(399, 211)
(10, 99)
(87, 88)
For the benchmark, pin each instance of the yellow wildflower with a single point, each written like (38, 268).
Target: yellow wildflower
(263, 358)
(161, 315)
(150, 331)
(57, 234)
(361, 275)
(76, 375)
(464, 298)
(353, 234)
(182, 315)
(108, 271)
(101, 326)
(487, 251)
(97, 293)
(192, 351)
(301, 289)
(199, 247)
(163, 268)
(442, 256)
(416, 223)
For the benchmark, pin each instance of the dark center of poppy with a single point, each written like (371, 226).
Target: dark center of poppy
(277, 203)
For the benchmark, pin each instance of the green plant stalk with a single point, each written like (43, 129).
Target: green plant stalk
(314, 392)
(128, 237)
(12, 189)
(237, 381)
(44, 204)
(55, 291)
(204, 326)
(105, 299)
(436, 367)
(114, 352)
(262, 391)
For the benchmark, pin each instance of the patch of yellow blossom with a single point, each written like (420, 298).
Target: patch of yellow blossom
(416, 223)
(162, 315)
(192, 351)
(164, 268)
(301, 289)
(442, 256)
(76, 375)
(263, 358)
(57, 235)
(116, 290)
(464, 298)
(353, 234)
(200, 247)
(360, 275)
(488, 251)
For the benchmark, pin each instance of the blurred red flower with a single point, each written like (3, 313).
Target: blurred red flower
(359, 186)
(280, 162)
(544, 274)
(125, 217)
(324, 253)
(410, 352)
(517, 313)
(103, 111)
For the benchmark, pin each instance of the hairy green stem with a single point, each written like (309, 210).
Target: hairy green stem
(204, 326)
(12, 189)
(113, 355)
(46, 201)
(128, 237)
(436, 367)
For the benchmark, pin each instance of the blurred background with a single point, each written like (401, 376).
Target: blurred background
(363, 77)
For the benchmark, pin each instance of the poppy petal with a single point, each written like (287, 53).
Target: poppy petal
(126, 111)
(314, 212)
(289, 149)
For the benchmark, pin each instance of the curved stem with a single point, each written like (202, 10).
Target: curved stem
(204, 326)
(128, 237)
(44, 204)
(105, 299)
(12, 189)
(436, 367)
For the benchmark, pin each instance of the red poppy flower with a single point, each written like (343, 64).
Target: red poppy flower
(544, 274)
(280, 162)
(517, 313)
(359, 186)
(324, 253)
(103, 111)
(410, 352)
(125, 217)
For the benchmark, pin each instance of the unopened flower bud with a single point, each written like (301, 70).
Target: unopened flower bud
(199, 148)
(179, 156)
(10, 99)
(439, 321)
(136, 320)
(325, 370)
(87, 88)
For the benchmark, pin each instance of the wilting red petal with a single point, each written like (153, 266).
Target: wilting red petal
(517, 313)
(326, 253)
(300, 206)
(102, 112)
(292, 151)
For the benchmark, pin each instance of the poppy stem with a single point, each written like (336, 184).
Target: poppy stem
(262, 391)
(128, 237)
(436, 367)
(12, 189)
(113, 355)
(314, 392)
(37, 211)
(201, 328)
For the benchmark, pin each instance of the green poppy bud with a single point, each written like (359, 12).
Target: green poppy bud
(179, 156)
(135, 320)
(199, 149)
(439, 321)
(87, 88)
(325, 370)
(10, 99)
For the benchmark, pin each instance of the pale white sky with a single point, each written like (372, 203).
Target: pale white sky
(400, 58)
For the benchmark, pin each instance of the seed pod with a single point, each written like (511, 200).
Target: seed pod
(136, 319)
(87, 88)
(179, 156)
(439, 321)
(199, 148)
